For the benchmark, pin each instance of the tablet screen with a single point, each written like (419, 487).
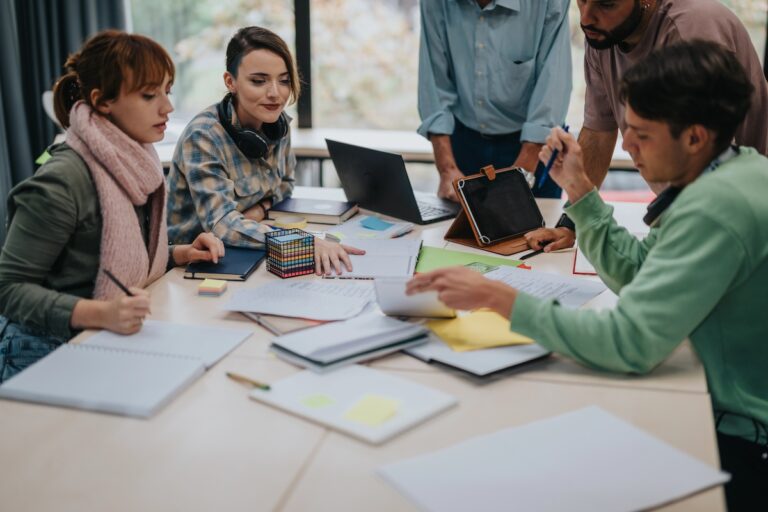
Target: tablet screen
(502, 208)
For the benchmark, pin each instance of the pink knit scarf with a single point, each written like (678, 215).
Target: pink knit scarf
(127, 174)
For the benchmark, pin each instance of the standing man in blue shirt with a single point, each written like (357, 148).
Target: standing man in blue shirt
(494, 78)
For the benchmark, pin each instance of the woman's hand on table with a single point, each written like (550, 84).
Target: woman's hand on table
(331, 257)
(206, 247)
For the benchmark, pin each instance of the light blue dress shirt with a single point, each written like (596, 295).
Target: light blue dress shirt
(498, 70)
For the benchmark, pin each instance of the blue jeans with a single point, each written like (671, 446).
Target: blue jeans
(473, 151)
(21, 346)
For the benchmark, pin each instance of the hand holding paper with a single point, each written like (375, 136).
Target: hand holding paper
(463, 288)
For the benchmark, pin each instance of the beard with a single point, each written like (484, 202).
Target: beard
(617, 35)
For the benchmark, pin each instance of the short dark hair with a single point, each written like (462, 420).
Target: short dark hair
(687, 83)
(257, 38)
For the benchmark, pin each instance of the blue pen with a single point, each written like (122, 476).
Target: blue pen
(550, 163)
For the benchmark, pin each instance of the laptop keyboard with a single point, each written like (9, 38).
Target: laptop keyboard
(429, 211)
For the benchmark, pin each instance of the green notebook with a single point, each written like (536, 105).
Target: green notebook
(431, 258)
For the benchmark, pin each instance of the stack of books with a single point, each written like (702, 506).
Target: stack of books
(290, 252)
(320, 211)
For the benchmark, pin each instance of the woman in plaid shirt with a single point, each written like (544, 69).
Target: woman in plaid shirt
(234, 159)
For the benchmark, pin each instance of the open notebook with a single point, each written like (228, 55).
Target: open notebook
(128, 375)
(383, 258)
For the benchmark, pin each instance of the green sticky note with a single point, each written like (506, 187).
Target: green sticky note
(43, 158)
(373, 410)
(432, 258)
(317, 401)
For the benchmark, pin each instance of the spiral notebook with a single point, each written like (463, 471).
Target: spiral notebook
(127, 375)
(105, 380)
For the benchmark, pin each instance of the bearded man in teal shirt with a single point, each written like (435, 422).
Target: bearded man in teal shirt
(701, 273)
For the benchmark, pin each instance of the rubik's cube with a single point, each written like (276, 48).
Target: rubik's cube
(290, 253)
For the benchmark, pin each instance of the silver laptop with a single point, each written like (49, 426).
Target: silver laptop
(378, 181)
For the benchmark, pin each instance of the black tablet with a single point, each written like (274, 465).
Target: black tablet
(500, 208)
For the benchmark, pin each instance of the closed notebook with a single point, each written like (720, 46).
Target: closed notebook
(335, 344)
(367, 404)
(478, 363)
(319, 211)
(367, 227)
(237, 264)
(105, 380)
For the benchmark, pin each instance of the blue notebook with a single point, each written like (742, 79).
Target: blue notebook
(237, 264)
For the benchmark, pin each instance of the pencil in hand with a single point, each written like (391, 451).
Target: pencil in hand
(117, 282)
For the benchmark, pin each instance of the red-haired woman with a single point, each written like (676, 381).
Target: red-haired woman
(97, 205)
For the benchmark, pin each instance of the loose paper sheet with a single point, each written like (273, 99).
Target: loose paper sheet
(569, 291)
(476, 330)
(582, 461)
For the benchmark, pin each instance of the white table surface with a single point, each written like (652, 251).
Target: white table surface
(213, 448)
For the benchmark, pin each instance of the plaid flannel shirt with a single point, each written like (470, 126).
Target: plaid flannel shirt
(211, 183)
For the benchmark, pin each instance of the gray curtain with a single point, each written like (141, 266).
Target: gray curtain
(35, 38)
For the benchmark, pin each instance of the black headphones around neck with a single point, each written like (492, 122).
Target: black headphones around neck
(660, 204)
(252, 143)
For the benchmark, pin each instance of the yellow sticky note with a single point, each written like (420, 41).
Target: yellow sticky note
(317, 401)
(373, 410)
(477, 330)
(212, 287)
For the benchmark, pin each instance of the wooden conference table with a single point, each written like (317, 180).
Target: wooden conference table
(214, 449)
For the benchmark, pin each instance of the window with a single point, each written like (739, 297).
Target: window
(196, 33)
(365, 63)
(364, 54)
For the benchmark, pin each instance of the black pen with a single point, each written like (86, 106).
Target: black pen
(117, 282)
(534, 253)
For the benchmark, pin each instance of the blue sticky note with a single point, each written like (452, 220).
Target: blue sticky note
(375, 223)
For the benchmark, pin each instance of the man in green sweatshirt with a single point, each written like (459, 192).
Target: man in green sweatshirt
(702, 272)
